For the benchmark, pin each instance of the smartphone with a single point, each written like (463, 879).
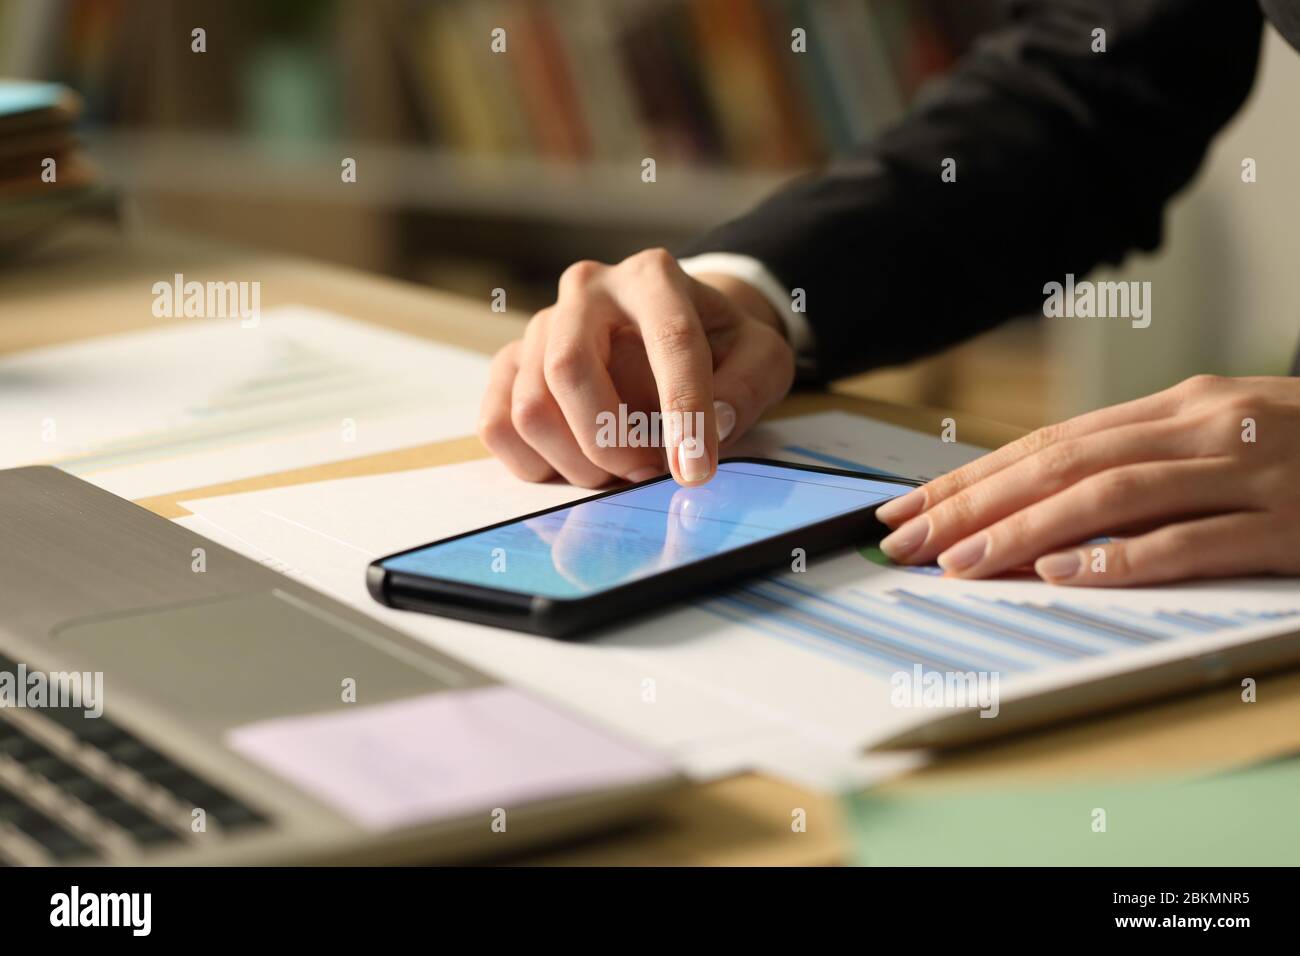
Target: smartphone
(569, 570)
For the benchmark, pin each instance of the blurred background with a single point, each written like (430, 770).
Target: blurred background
(477, 171)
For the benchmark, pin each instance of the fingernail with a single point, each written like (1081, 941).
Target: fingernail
(965, 554)
(907, 539)
(693, 459)
(726, 416)
(1058, 567)
(900, 509)
(644, 474)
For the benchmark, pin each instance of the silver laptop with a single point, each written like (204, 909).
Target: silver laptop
(164, 700)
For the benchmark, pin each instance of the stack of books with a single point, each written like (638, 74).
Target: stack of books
(44, 175)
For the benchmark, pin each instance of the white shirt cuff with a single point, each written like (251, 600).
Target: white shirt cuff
(748, 269)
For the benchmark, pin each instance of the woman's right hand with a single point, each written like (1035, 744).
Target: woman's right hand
(642, 334)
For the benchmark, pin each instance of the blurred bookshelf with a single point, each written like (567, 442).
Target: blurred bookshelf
(479, 166)
(520, 149)
(393, 177)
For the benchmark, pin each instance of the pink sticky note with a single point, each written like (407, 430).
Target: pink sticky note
(442, 755)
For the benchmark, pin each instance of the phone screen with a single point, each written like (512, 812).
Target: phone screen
(592, 546)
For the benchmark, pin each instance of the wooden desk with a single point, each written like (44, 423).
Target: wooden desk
(91, 283)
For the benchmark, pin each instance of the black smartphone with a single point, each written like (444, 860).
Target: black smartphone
(571, 569)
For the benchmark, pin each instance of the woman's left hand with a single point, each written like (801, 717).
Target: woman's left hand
(1200, 480)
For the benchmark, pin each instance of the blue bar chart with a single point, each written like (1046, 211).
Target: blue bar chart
(884, 630)
(880, 617)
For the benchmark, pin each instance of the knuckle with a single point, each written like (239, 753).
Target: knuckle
(1020, 526)
(1057, 465)
(1114, 488)
(495, 430)
(657, 259)
(536, 327)
(1198, 386)
(579, 275)
(529, 413)
(958, 512)
(506, 355)
(941, 489)
(562, 366)
(1044, 437)
(687, 398)
(673, 337)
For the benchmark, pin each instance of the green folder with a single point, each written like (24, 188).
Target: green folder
(1245, 818)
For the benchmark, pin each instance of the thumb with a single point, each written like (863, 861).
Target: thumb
(753, 361)
(754, 374)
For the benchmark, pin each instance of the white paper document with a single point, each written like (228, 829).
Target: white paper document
(793, 673)
(854, 443)
(204, 401)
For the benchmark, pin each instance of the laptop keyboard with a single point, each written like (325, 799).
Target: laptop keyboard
(75, 789)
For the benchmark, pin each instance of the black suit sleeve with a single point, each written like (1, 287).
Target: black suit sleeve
(1065, 159)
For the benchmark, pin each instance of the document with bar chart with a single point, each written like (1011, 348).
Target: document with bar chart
(793, 674)
(879, 627)
(1026, 636)
(866, 614)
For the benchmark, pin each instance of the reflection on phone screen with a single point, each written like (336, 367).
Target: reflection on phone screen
(595, 545)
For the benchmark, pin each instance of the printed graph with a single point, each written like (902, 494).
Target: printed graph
(900, 627)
